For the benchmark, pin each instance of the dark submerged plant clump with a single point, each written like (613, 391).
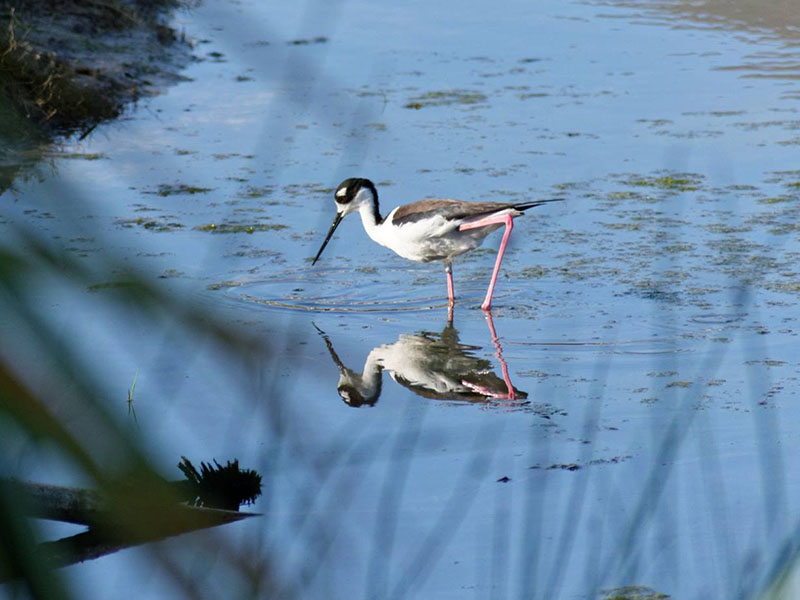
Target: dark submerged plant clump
(225, 487)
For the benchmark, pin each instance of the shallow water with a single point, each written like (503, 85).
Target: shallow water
(651, 318)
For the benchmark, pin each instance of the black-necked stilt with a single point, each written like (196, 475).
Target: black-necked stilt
(428, 230)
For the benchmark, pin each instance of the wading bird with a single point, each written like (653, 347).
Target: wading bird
(429, 230)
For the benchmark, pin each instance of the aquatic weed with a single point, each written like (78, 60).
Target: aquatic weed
(446, 98)
(239, 228)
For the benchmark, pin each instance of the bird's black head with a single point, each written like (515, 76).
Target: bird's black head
(351, 195)
(349, 188)
(354, 397)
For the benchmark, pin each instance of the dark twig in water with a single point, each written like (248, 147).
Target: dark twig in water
(112, 527)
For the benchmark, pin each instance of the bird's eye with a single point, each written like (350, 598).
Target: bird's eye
(341, 196)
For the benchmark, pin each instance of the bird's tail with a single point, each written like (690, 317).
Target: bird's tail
(533, 203)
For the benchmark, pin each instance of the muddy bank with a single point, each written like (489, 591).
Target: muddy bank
(68, 65)
(774, 18)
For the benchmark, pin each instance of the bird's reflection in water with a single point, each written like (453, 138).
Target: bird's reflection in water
(433, 366)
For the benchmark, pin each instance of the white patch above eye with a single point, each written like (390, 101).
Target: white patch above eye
(341, 193)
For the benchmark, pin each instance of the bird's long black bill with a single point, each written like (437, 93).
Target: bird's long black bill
(336, 222)
(535, 203)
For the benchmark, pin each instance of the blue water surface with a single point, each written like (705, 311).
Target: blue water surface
(650, 318)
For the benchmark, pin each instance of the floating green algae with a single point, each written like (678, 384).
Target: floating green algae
(253, 191)
(680, 384)
(678, 182)
(675, 248)
(627, 195)
(112, 285)
(223, 285)
(161, 224)
(767, 362)
(535, 272)
(726, 113)
(786, 286)
(239, 228)
(77, 155)
(446, 98)
(227, 155)
(634, 592)
(167, 189)
(625, 226)
(727, 229)
(655, 122)
(307, 41)
(295, 190)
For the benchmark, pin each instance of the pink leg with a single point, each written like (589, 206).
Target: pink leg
(451, 294)
(508, 221)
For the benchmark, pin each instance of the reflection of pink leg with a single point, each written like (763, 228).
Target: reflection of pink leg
(508, 221)
(451, 294)
(503, 366)
(484, 391)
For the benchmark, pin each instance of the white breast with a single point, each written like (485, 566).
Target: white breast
(426, 240)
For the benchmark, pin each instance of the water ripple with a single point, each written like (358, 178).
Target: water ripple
(335, 290)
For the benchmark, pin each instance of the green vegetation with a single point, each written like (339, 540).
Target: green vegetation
(775, 200)
(111, 285)
(240, 228)
(99, 447)
(131, 407)
(161, 224)
(679, 384)
(256, 192)
(308, 42)
(167, 189)
(61, 79)
(634, 592)
(446, 98)
(679, 182)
